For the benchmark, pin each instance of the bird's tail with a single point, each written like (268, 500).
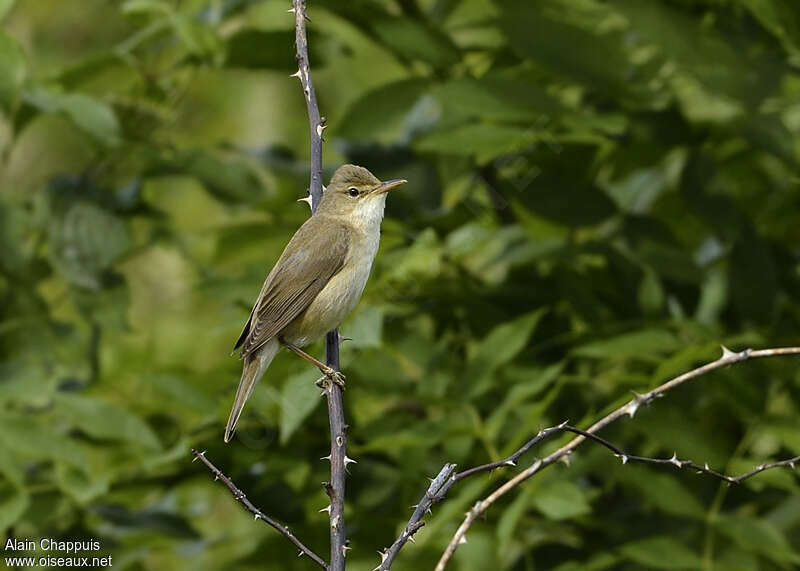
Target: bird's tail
(254, 367)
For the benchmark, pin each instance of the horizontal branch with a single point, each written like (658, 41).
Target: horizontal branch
(257, 513)
(630, 408)
(680, 464)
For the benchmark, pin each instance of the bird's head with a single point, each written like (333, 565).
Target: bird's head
(356, 194)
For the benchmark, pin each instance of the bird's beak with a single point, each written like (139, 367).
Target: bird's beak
(388, 185)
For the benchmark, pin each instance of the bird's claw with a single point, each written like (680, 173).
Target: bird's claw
(331, 376)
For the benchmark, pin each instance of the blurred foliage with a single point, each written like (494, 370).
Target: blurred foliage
(601, 192)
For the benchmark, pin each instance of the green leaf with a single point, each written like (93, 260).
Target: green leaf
(418, 40)
(496, 98)
(80, 485)
(651, 293)
(12, 69)
(381, 110)
(11, 465)
(665, 491)
(28, 436)
(5, 6)
(646, 344)
(561, 499)
(510, 517)
(758, 536)
(781, 18)
(365, 328)
(181, 392)
(104, 420)
(421, 260)
(13, 503)
(710, 58)
(93, 116)
(85, 242)
(661, 552)
(299, 397)
(251, 48)
(543, 32)
(499, 347)
(484, 140)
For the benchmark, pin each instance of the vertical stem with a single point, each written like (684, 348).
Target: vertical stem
(316, 123)
(336, 490)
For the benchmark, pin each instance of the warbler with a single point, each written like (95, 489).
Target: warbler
(318, 279)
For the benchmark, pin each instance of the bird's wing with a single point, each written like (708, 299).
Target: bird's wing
(299, 275)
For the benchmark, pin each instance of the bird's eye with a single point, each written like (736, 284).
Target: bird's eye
(352, 191)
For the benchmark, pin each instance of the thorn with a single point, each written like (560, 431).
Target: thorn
(707, 468)
(335, 523)
(462, 540)
(563, 424)
(428, 511)
(307, 200)
(342, 338)
(345, 549)
(384, 554)
(328, 458)
(726, 353)
(622, 457)
(509, 463)
(632, 407)
(412, 540)
(256, 517)
(291, 10)
(674, 460)
(349, 461)
(320, 129)
(296, 74)
(326, 509)
(565, 459)
(300, 554)
(791, 464)
(216, 477)
(198, 454)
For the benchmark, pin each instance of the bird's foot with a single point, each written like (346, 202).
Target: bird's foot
(331, 376)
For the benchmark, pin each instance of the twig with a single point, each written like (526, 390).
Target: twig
(338, 456)
(680, 464)
(728, 358)
(257, 513)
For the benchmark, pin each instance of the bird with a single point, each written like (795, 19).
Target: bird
(317, 281)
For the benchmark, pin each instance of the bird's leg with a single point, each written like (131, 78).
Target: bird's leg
(331, 375)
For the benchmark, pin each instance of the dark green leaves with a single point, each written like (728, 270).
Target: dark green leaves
(85, 243)
(544, 33)
(93, 116)
(417, 40)
(382, 110)
(251, 48)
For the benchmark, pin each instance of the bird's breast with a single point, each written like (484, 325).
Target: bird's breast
(340, 296)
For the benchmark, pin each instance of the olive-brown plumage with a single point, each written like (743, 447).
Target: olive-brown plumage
(319, 277)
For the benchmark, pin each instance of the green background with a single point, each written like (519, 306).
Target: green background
(600, 193)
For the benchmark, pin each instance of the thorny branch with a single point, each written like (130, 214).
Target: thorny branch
(338, 456)
(257, 513)
(728, 358)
